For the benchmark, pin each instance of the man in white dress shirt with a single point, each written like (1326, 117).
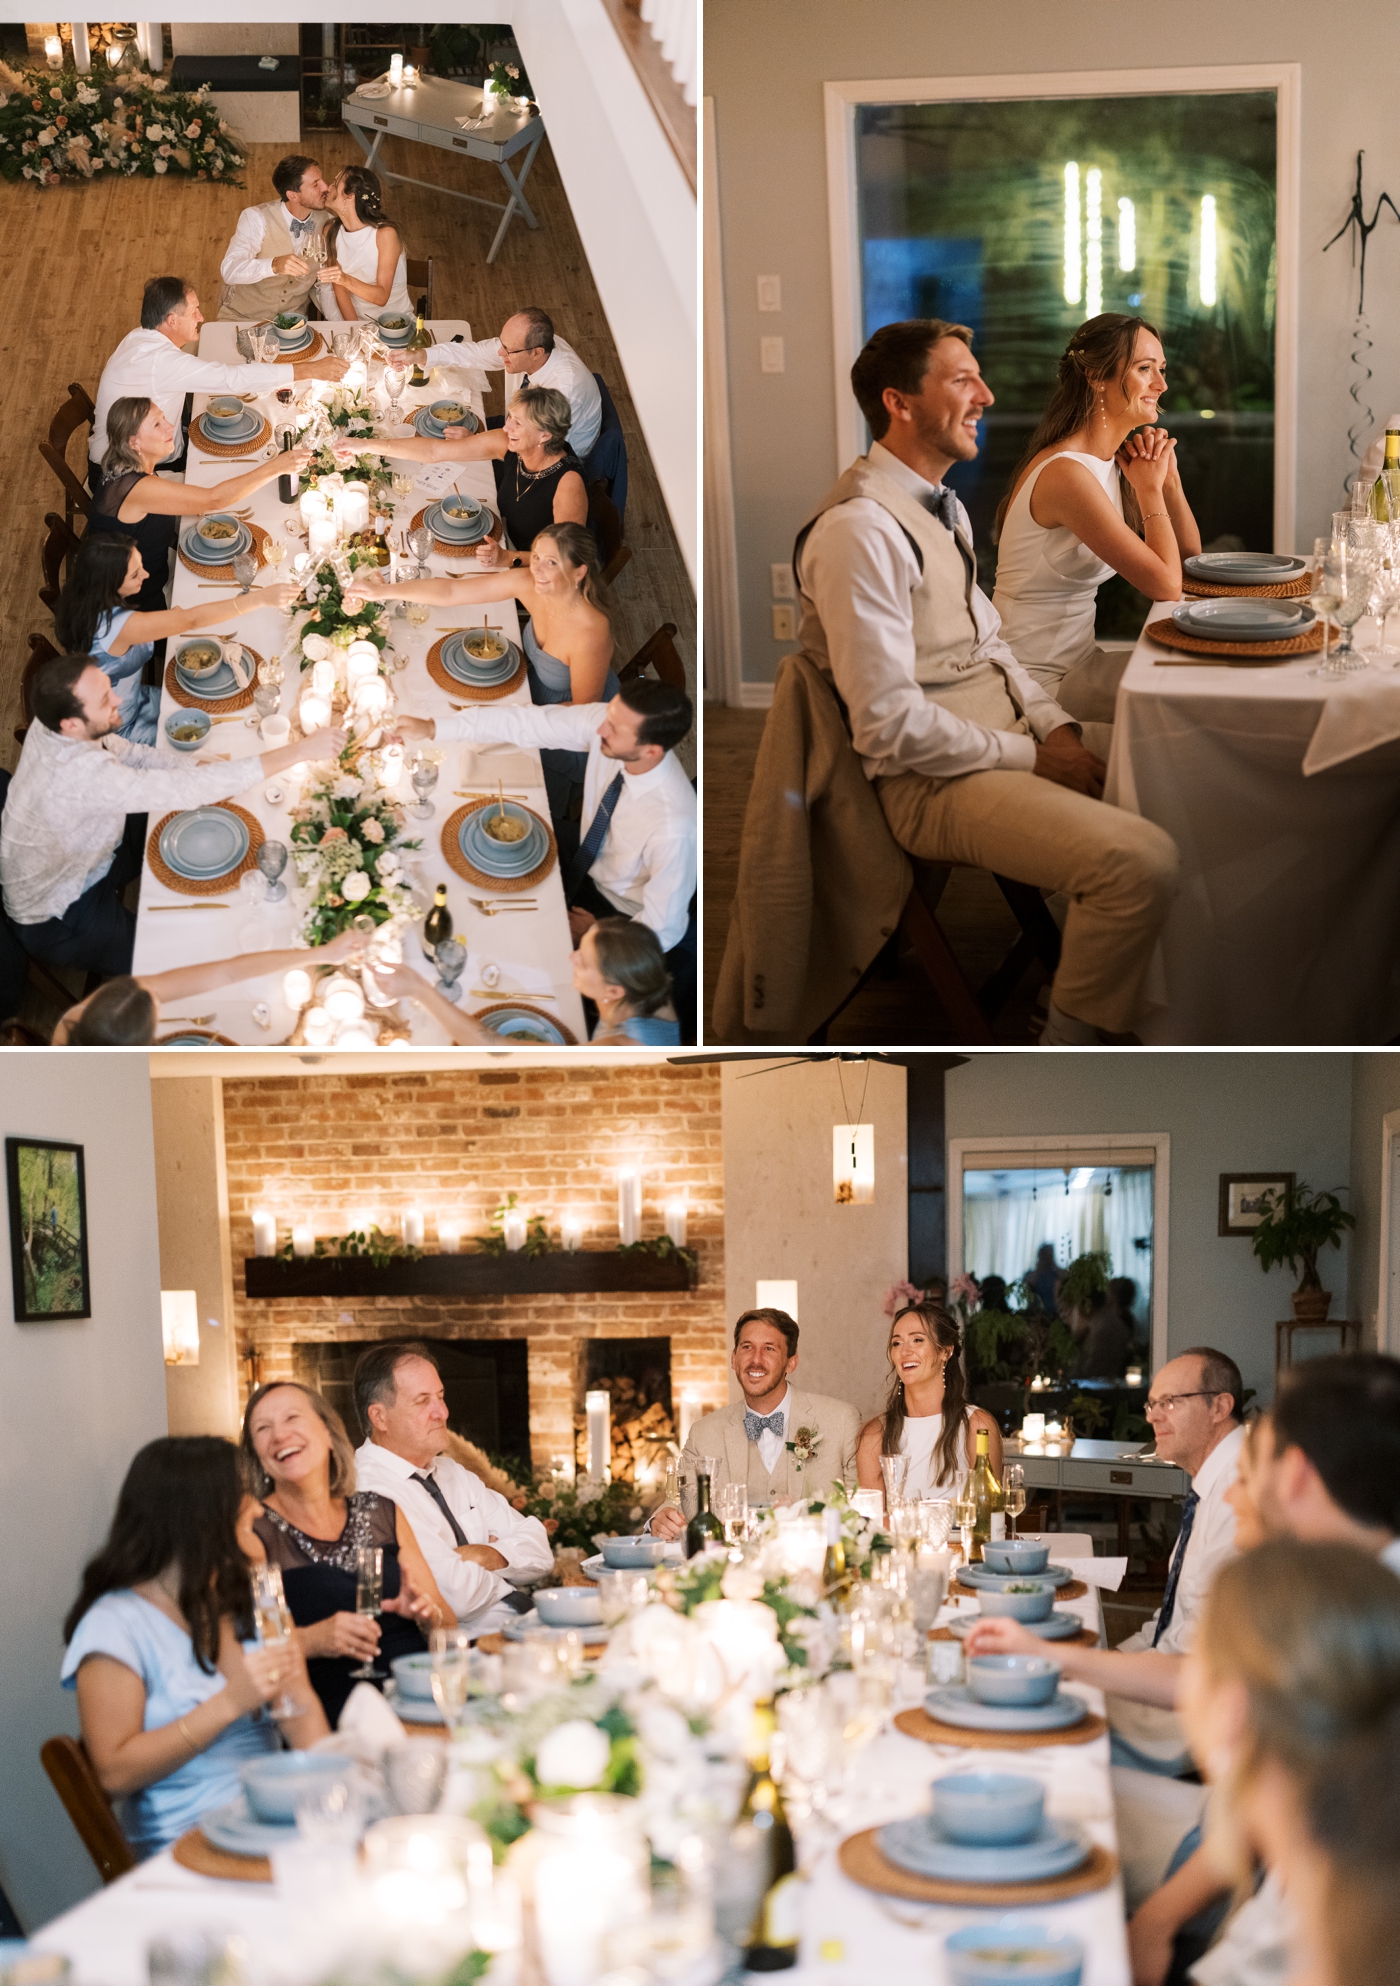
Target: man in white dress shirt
(469, 1534)
(152, 364)
(971, 760)
(264, 270)
(531, 353)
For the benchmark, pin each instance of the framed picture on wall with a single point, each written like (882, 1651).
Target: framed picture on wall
(1242, 1196)
(48, 1230)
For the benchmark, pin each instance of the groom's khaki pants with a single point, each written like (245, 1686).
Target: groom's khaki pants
(1119, 872)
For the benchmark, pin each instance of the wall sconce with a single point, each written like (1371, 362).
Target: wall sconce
(853, 1164)
(598, 1407)
(449, 1237)
(515, 1226)
(179, 1326)
(571, 1232)
(413, 1227)
(264, 1233)
(676, 1212)
(629, 1205)
(776, 1296)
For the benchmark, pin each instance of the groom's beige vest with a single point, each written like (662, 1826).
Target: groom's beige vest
(945, 632)
(248, 302)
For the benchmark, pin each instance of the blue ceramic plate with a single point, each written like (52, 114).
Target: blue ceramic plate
(396, 327)
(453, 532)
(222, 552)
(243, 429)
(1244, 568)
(432, 430)
(515, 1024)
(1060, 1626)
(955, 1704)
(290, 342)
(508, 858)
(480, 674)
(531, 1623)
(215, 687)
(204, 843)
(234, 1828)
(921, 1847)
(997, 1582)
(1243, 620)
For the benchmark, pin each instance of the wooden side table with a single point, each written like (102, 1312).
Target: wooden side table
(1349, 1328)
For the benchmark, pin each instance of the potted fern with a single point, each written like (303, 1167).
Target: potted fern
(1293, 1230)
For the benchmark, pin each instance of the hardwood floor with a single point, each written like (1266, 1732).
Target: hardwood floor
(78, 256)
(895, 1007)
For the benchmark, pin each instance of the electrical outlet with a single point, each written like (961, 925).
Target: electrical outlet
(784, 585)
(784, 624)
(770, 355)
(770, 292)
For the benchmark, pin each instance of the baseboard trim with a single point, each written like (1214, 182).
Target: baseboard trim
(755, 696)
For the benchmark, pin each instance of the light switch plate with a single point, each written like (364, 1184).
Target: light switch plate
(770, 355)
(784, 624)
(783, 584)
(770, 292)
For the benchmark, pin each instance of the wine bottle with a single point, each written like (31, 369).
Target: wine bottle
(419, 342)
(1385, 491)
(987, 1496)
(836, 1573)
(704, 1527)
(761, 1835)
(288, 487)
(437, 925)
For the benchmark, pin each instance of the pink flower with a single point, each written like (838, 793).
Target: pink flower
(900, 1295)
(371, 830)
(964, 1288)
(334, 834)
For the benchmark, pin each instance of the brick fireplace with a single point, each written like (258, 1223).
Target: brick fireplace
(336, 1150)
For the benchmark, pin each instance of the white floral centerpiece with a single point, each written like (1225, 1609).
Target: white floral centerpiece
(348, 845)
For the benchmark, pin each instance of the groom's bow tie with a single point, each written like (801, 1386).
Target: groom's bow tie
(757, 1424)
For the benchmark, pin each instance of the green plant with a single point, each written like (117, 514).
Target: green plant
(662, 1246)
(458, 47)
(362, 1244)
(1086, 1412)
(537, 1240)
(1085, 1281)
(1293, 1230)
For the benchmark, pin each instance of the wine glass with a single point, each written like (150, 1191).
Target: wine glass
(451, 1649)
(245, 569)
(272, 860)
(1385, 597)
(369, 1585)
(424, 775)
(1014, 1486)
(416, 612)
(274, 551)
(1355, 602)
(420, 543)
(732, 1510)
(395, 380)
(402, 484)
(1328, 585)
(451, 956)
(273, 1623)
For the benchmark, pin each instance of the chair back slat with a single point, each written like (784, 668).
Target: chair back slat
(659, 653)
(40, 649)
(77, 411)
(70, 1769)
(606, 526)
(419, 273)
(56, 556)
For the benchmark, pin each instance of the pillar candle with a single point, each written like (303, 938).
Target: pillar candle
(1033, 1427)
(571, 1231)
(303, 1239)
(314, 507)
(352, 508)
(390, 766)
(314, 712)
(449, 1237)
(413, 1227)
(296, 989)
(690, 1412)
(320, 538)
(53, 50)
(322, 678)
(264, 1233)
(629, 1206)
(676, 1221)
(515, 1226)
(598, 1408)
(317, 1026)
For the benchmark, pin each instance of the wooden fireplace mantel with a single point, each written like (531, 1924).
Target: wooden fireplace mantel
(558, 1274)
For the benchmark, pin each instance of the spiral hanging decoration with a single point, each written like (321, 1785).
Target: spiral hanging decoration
(1362, 344)
(1361, 341)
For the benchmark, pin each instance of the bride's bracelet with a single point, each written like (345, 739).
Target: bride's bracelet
(1150, 514)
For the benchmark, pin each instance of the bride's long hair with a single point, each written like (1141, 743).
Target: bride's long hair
(1098, 355)
(951, 1449)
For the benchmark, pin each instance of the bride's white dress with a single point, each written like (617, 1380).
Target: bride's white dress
(1048, 582)
(358, 255)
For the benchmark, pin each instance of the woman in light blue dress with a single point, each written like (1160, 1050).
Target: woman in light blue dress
(621, 968)
(170, 1698)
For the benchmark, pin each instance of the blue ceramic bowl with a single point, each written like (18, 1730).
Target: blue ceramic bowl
(224, 412)
(395, 328)
(220, 545)
(184, 720)
(1034, 1606)
(631, 1554)
(414, 1676)
(274, 1784)
(448, 413)
(291, 334)
(1012, 1681)
(569, 1606)
(1016, 1555)
(1012, 1952)
(988, 1809)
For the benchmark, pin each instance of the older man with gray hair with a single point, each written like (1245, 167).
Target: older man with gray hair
(532, 353)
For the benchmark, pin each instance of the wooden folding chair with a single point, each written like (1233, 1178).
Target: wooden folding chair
(40, 650)
(420, 282)
(658, 653)
(606, 526)
(56, 556)
(77, 411)
(66, 1762)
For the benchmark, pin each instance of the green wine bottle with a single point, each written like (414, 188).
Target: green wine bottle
(437, 925)
(761, 1835)
(1385, 491)
(986, 1494)
(704, 1527)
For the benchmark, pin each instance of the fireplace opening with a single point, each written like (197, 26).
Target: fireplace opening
(485, 1381)
(636, 1372)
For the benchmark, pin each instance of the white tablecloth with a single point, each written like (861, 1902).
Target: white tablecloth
(1286, 927)
(533, 953)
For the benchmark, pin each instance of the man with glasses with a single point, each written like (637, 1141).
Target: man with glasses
(532, 354)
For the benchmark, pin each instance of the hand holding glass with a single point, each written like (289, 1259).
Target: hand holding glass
(369, 1598)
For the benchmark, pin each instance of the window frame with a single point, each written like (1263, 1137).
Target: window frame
(842, 100)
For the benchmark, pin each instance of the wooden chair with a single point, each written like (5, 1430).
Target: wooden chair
(420, 282)
(40, 650)
(658, 653)
(77, 411)
(606, 526)
(66, 1762)
(55, 554)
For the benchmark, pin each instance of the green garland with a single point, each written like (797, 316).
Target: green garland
(362, 1244)
(537, 1239)
(665, 1250)
(329, 618)
(57, 126)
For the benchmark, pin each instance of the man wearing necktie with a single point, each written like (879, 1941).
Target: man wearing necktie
(779, 1442)
(265, 269)
(971, 760)
(470, 1535)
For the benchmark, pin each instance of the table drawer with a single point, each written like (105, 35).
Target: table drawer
(1041, 1472)
(1122, 1479)
(380, 120)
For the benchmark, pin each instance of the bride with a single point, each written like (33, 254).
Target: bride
(1097, 492)
(366, 271)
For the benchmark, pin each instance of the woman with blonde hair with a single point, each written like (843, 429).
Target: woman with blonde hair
(313, 1523)
(539, 479)
(366, 275)
(928, 1417)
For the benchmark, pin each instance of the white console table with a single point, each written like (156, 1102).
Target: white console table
(1099, 1468)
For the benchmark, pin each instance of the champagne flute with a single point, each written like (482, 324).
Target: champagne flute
(451, 1651)
(732, 1510)
(274, 1624)
(895, 1470)
(369, 1599)
(1014, 1485)
(1328, 586)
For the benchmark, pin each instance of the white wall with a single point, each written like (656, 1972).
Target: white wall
(192, 1205)
(765, 66)
(1224, 1113)
(76, 1402)
(782, 1223)
(1375, 1092)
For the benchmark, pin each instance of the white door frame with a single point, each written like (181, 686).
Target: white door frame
(1388, 1277)
(1028, 1150)
(722, 652)
(842, 101)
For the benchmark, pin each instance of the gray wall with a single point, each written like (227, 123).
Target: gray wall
(1225, 1113)
(76, 1402)
(765, 66)
(1375, 1090)
(187, 1114)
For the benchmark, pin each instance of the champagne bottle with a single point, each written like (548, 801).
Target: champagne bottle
(836, 1573)
(987, 1496)
(419, 342)
(763, 1838)
(437, 925)
(704, 1527)
(1385, 491)
(288, 487)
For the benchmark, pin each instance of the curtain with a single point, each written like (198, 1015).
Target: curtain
(1001, 1235)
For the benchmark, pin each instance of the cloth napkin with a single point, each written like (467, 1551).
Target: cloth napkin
(1357, 716)
(242, 667)
(1104, 1572)
(368, 1726)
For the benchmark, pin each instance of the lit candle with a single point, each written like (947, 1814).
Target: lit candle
(514, 1226)
(410, 76)
(449, 1237)
(1133, 1376)
(690, 1413)
(390, 766)
(303, 1239)
(314, 712)
(53, 49)
(1033, 1427)
(675, 1221)
(314, 507)
(371, 697)
(264, 1233)
(356, 1034)
(320, 538)
(571, 1232)
(395, 70)
(342, 998)
(629, 1206)
(413, 1227)
(322, 679)
(296, 989)
(352, 508)
(598, 1407)
(317, 1026)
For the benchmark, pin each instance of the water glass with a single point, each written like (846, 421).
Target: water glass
(622, 1593)
(420, 543)
(267, 699)
(424, 776)
(1385, 598)
(415, 1774)
(245, 569)
(451, 957)
(928, 1589)
(1355, 603)
(272, 860)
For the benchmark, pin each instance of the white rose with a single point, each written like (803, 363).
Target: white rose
(161, 165)
(355, 889)
(388, 864)
(574, 1754)
(664, 1731)
(316, 648)
(347, 787)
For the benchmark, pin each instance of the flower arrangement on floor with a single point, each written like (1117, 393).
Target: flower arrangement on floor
(56, 125)
(348, 846)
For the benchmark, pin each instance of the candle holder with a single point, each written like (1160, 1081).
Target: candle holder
(515, 1227)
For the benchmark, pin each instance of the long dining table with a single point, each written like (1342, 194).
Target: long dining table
(517, 956)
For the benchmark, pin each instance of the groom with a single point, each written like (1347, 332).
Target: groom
(780, 1443)
(263, 270)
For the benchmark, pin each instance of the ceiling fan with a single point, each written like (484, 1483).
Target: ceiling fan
(922, 1058)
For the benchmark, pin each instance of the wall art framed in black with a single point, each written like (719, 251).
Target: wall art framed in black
(48, 1230)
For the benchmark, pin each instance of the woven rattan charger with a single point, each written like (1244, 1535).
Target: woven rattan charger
(192, 1851)
(216, 706)
(225, 571)
(204, 885)
(489, 693)
(1292, 589)
(207, 445)
(861, 1859)
(459, 550)
(1246, 652)
(502, 885)
(526, 1007)
(933, 1731)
